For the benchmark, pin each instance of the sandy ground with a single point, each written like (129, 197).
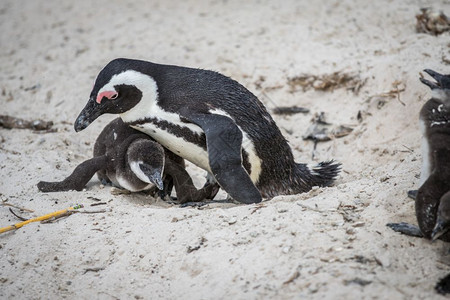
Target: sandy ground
(331, 243)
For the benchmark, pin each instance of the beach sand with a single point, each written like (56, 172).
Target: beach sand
(330, 243)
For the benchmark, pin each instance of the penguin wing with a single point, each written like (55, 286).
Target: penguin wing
(427, 203)
(224, 144)
(79, 177)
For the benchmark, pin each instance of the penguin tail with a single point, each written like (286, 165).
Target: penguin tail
(324, 173)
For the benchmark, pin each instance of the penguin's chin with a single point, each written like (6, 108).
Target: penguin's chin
(88, 115)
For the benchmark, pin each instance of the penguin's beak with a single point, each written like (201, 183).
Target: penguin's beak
(441, 81)
(440, 228)
(88, 115)
(157, 180)
(159, 183)
(151, 175)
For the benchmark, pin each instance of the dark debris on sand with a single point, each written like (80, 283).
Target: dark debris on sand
(289, 110)
(432, 22)
(320, 130)
(326, 82)
(10, 122)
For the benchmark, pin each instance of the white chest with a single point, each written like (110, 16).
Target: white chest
(426, 160)
(178, 145)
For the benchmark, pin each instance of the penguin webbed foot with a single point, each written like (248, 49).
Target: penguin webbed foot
(105, 181)
(189, 193)
(179, 178)
(210, 190)
(412, 194)
(406, 229)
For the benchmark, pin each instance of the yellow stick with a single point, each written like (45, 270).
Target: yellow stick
(41, 218)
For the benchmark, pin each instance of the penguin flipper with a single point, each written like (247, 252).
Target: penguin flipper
(405, 228)
(184, 186)
(79, 177)
(224, 143)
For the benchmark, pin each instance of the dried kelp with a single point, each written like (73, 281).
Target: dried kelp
(326, 82)
(397, 88)
(10, 122)
(321, 131)
(289, 110)
(432, 22)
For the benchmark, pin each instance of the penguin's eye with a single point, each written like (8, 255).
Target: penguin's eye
(114, 96)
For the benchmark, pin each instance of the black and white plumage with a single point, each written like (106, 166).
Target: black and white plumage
(432, 201)
(208, 119)
(132, 160)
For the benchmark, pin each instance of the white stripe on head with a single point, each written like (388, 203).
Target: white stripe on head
(148, 106)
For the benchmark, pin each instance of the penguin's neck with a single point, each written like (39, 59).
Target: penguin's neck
(149, 107)
(442, 95)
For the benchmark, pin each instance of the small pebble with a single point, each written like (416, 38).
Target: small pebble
(350, 231)
(232, 220)
(254, 234)
(359, 224)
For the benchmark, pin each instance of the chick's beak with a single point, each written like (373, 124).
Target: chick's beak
(436, 76)
(440, 228)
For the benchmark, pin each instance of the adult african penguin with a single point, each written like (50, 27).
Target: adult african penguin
(432, 201)
(134, 161)
(208, 119)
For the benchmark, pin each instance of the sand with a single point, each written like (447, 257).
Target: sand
(330, 243)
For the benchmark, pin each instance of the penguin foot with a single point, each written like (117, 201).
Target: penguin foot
(412, 194)
(405, 228)
(105, 181)
(210, 190)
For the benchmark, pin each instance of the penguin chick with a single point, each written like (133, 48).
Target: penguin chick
(434, 117)
(443, 218)
(208, 119)
(432, 202)
(133, 161)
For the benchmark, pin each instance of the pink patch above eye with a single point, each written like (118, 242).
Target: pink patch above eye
(107, 94)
